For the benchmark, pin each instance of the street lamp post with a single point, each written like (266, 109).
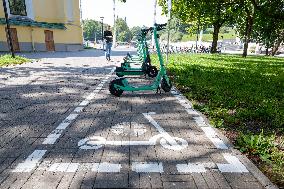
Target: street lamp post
(102, 18)
(114, 25)
(9, 38)
(154, 22)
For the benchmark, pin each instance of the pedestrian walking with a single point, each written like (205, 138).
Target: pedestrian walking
(108, 38)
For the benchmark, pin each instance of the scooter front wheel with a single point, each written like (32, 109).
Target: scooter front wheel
(114, 91)
(152, 71)
(166, 86)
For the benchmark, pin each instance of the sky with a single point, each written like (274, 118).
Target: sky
(137, 12)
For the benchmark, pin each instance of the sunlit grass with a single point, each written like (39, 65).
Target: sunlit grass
(6, 60)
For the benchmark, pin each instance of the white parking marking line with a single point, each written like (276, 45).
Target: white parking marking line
(200, 121)
(71, 117)
(144, 167)
(97, 91)
(84, 103)
(234, 166)
(64, 167)
(166, 135)
(53, 167)
(62, 126)
(91, 96)
(79, 109)
(184, 102)
(31, 162)
(191, 168)
(53, 136)
(106, 168)
(72, 168)
(212, 135)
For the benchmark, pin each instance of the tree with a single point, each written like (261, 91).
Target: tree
(123, 31)
(92, 29)
(135, 31)
(269, 23)
(245, 20)
(262, 21)
(202, 13)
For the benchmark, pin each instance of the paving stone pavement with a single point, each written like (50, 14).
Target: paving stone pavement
(61, 128)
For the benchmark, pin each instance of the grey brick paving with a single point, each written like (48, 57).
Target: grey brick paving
(36, 97)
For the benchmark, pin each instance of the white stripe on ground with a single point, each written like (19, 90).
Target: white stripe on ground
(200, 121)
(79, 109)
(64, 167)
(190, 168)
(31, 162)
(166, 135)
(84, 103)
(234, 166)
(144, 167)
(106, 168)
(212, 135)
(56, 134)
(53, 136)
(184, 102)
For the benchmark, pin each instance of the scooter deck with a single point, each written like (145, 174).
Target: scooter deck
(130, 73)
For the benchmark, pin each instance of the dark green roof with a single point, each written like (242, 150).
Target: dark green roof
(34, 24)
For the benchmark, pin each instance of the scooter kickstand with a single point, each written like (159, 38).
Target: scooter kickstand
(158, 90)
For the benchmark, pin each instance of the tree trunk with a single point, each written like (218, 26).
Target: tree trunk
(217, 27)
(249, 24)
(277, 44)
(266, 52)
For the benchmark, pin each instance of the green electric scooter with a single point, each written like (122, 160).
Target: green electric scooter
(144, 68)
(141, 53)
(117, 86)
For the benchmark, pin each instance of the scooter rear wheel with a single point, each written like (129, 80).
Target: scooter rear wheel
(152, 71)
(166, 86)
(113, 90)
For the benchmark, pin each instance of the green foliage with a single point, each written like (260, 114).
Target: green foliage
(136, 32)
(6, 60)
(240, 94)
(201, 14)
(265, 147)
(123, 32)
(269, 24)
(92, 29)
(257, 145)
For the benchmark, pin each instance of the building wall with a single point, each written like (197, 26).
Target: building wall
(51, 11)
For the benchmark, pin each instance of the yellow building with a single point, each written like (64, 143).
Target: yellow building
(42, 25)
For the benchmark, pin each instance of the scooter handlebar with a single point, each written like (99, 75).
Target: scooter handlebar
(146, 30)
(161, 26)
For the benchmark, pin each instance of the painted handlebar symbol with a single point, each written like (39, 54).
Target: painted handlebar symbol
(96, 142)
(167, 141)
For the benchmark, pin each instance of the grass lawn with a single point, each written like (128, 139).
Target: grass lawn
(6, 60)
(243, 97)
(209, 37)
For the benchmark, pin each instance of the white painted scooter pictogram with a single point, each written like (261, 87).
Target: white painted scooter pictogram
(166, 140)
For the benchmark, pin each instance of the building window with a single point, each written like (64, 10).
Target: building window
(17, 7)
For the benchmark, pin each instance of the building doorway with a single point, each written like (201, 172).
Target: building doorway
(49, 41)
(14, 38)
